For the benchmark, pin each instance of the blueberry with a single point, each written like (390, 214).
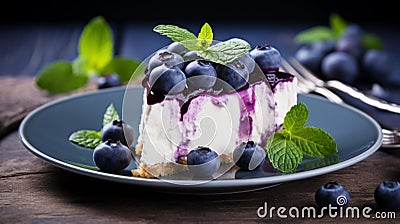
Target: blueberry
(111, 156)
(109, 80)
(234, 74)
(166, 80)
(249, 156)
(332, 193)
(178, 48)
(376, 65)
(267, 57)
(248, 62)
(200, 74)
(118, 130)
(341, 66)
(310, 55)
(350, 41)
(164, 57)
(387, 195)
(190, 56)
(203, 161)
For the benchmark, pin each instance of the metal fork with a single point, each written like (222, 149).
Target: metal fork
(308, 83)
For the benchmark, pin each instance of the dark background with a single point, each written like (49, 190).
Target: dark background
(376, 12)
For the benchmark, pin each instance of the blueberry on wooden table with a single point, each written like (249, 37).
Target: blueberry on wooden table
(333, 194)
(387, 195)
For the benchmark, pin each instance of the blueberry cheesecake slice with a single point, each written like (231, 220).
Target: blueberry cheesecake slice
(193, 99)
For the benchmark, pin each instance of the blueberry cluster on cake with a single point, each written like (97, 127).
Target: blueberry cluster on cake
(190, 101)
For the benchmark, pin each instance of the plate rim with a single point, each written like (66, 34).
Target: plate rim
(261, 182)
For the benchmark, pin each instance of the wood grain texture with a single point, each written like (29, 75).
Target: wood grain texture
(20, 95)
(34, 191)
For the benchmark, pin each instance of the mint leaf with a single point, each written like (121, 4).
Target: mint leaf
(225, 52)
(110, 115)
(178, 34)
(287, 147)
(80, 66)
(314, 34)
(205, 37)
(296, 118)
(86, 138)
(58, 77)
(337, 24)
(96, 43)
(283, 153)
(371, 41)
(124, 67)
(314, 142)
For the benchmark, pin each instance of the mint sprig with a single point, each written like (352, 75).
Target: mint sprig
(95, 57)
(110, 115)
(287, 147)
(221, 52)
(86, 138)
(333, 31)
(92, 138)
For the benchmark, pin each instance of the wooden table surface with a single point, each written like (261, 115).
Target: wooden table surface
(34, 191)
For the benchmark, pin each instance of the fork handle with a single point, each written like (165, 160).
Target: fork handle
(370, 100)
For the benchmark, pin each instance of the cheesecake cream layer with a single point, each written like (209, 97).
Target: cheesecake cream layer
(219, 122)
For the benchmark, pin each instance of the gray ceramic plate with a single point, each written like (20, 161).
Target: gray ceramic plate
(45, 132)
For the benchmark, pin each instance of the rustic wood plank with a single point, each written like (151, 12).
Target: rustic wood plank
(20, 95)
(32, 190)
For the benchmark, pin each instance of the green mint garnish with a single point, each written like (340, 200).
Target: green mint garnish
(225, 52)
(205, 37)
(59, 77)
(124, 67)
(95, 57)
(222, 52)
(92, 138)
(86, 138)
(175, 33)
(110, 115)
(333, 32)
(96, 43)
(287, 147)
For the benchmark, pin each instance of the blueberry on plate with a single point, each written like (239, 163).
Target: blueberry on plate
(203, 161)
(200, 74)
(112, 156)
(267, 57)
(109, 80)
(165, 80)
(387, 195)
(249, 155)
(118, 130)
(333, 194)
